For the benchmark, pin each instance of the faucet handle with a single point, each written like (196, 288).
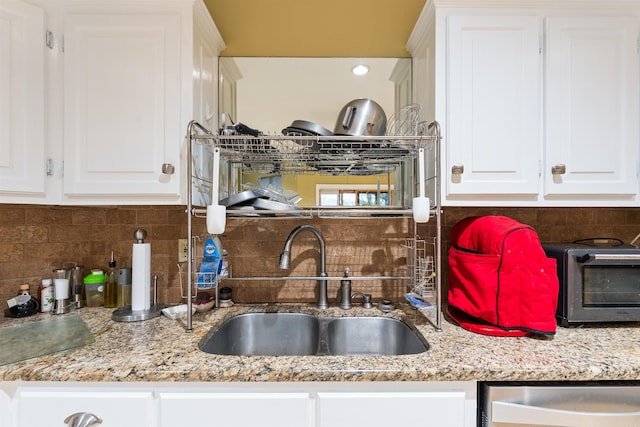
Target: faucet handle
(366, 299)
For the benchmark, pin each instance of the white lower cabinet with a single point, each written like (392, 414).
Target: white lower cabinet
(320, 404)
(50, 406)
(236, 409)
(301, 404)
(5, 413)
(398, 409)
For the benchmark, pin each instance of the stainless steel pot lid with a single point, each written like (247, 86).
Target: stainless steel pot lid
(242, 198)
(307, 127)
(272, 205)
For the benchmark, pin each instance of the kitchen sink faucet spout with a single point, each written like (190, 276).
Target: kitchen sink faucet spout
(285, 261)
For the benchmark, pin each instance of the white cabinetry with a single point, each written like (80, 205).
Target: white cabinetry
(22, 144)
(237, 409)
(493, 124)
(122, 81)
(5, 411)
(399, 409)
(591, 106)
(538, 102)
(122, 104)
(51, 405)
(270, 404)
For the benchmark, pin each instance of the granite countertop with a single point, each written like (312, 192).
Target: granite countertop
(160, 350)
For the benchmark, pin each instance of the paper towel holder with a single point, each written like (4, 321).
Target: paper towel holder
(126, 314)
(140, 234)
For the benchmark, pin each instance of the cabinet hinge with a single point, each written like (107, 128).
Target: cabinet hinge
(49, 40)
(49, 167)
(539, 168)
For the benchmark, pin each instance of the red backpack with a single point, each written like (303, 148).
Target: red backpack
(500, 279)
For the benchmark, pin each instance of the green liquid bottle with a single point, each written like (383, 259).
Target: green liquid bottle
(111, 285)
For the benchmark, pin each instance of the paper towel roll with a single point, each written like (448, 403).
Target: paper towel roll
(141, 277)
(61, 288)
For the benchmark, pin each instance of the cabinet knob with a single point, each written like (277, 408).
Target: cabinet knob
(457, 169)
(168, 169)
(82, 419)
(559, 169)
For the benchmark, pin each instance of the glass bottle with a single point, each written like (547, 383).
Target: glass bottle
(23, 304)
(111, 285)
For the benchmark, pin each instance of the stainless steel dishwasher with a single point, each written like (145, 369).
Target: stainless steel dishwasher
(559, 404)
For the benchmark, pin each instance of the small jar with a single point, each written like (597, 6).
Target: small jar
(46, 296)
(94, 288)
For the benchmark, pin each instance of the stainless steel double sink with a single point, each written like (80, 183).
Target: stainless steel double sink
(301, 334)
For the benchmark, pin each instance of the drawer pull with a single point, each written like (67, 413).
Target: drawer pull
(558, 169)
(82, 419)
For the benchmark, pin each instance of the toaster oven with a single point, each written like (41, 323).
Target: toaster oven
(597, 283)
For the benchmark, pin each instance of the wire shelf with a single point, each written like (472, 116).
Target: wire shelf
(314, 149)
(421, 266)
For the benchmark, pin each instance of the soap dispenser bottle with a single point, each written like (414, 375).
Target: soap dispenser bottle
(345, 291)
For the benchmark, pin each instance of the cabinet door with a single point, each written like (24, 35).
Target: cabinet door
(399, 409)
(592, 111)
(236, 409)
(205, 108)
(122, 105)
(49, 407)
(492, 132)
(22, 165)
(5, 414)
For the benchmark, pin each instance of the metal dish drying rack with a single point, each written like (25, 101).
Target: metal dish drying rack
(335, 155)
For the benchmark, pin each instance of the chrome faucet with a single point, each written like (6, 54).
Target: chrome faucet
(285, 261)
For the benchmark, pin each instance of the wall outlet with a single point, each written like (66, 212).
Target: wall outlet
(182, 250)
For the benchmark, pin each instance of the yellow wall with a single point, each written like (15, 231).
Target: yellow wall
(345, 28)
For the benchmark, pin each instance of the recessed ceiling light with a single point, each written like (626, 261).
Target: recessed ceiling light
(360, 70)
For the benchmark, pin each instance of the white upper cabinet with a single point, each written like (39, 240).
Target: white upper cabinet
(492, 87)
(538, 101)
(122, 104)
(22, 143)
(122, 81)
(591, 106)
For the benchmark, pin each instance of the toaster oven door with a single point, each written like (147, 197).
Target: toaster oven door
(603, 287)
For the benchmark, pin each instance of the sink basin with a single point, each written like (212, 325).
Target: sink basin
(265, 334)
(298, 334)
(372, 335)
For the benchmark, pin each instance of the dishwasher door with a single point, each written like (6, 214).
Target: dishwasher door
(576, 405)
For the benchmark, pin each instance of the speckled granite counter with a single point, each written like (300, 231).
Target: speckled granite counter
(161, 350)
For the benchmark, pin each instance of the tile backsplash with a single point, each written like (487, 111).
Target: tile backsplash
(35, 239)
